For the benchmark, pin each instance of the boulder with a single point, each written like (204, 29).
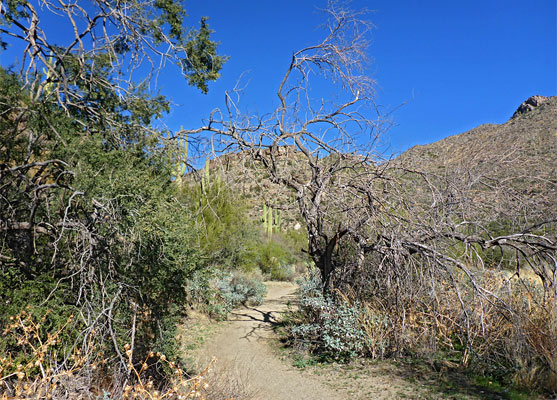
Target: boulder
(530, 104)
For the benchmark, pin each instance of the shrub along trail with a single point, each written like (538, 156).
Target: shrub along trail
(242, 347)
(243, 353)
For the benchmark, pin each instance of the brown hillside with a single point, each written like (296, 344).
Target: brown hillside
(520, 154)
(527, 142)
(249, 180)
(508, 168)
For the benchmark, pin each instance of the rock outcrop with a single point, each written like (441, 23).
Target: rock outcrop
(530, 104)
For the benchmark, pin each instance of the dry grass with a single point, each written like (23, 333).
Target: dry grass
(511, 333)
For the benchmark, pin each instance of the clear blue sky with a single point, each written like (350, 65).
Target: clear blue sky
(459, 64)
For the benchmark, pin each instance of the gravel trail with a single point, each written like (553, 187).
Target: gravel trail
(243, 347)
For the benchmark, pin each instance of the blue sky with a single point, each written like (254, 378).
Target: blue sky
(456, 65)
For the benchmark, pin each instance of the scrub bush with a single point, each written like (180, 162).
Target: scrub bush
(220, 294)
(331, 327)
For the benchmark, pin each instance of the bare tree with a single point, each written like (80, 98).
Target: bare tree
(346, 188)
(333, 138)
(385, 228)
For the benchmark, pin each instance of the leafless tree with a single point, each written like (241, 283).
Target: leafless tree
(395, 231)
(318, 133)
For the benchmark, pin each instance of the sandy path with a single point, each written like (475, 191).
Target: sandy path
(242, 347)
(242, 351)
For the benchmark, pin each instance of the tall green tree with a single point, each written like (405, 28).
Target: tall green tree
(89, 221)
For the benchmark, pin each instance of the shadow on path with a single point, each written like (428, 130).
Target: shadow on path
(243, 347)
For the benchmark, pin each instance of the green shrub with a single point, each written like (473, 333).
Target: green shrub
(283, 273)
(271, 256)
(328, 327)
(240, 289)
(110, 243)
(220, 294)
(227, 237)
(274, 260)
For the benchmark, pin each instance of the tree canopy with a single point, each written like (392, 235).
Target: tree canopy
(93, 238)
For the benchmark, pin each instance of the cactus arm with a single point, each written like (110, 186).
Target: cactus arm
(205, 176)
(270, 222)
(180, 154)
(265, 217)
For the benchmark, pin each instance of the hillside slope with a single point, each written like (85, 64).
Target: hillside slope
(509, 168)
(520, 154)
(527, 140)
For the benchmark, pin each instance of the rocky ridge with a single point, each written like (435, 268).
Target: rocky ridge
(522, 151)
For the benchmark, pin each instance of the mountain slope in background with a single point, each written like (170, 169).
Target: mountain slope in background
(528, 140)
(520, 154)
(506, 169)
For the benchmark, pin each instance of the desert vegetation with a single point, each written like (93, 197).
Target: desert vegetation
(455, 264)
(99, 246)
(112, 227)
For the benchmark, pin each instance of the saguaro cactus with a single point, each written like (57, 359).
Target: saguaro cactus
(270, 222)
(277, 220)
(265, 217)
(180, 153)
(205, 176)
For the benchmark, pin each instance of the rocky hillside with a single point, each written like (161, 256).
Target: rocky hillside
(250, 181)
(519, 154)
(514, 164)
(528, 141)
